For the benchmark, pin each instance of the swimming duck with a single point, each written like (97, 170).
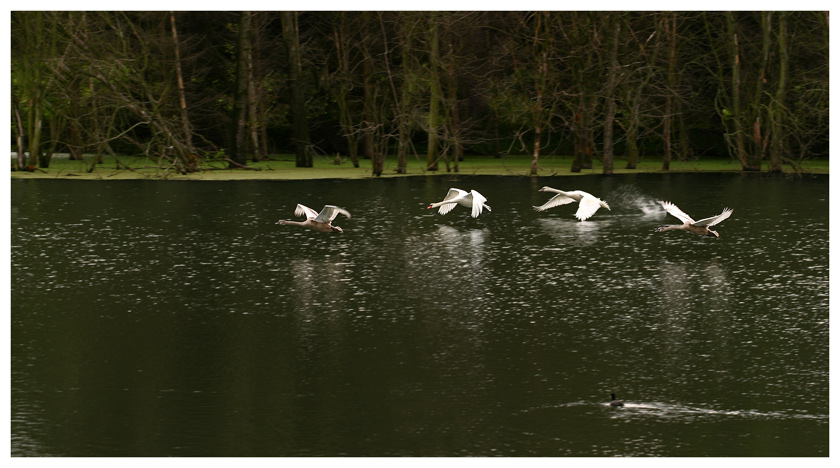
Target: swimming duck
(472, 199)
(321, 222)
(701, 228)
(614, 402)
(588, 203)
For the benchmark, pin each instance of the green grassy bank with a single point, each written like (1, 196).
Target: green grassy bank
(282, 167)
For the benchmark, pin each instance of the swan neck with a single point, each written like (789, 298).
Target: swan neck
(293, 223)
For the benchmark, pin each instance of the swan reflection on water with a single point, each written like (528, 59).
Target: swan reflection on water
(450, 235)
(680, 281)
(462, 249)
(578, 233)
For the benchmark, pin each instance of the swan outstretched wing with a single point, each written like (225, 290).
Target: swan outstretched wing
(557, 200)
(452, 198)
(455, 194)
(303, 210)
(676, 212)
(588, 206)
(727, 212)
(477, 203)
(328, 214)
(446, 208)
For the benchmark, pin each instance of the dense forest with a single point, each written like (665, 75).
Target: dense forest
(188, 87)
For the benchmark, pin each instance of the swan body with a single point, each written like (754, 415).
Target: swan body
(701, 228)
(588, 204)
(613, 402)
(472, 200)
(321, 222)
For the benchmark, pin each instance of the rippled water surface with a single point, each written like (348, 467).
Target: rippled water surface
(177, 319)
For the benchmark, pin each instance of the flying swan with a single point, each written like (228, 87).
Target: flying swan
(321, 222)
(701, 228)
(588, 203)
(472, 199)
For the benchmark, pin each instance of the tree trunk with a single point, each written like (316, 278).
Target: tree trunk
(21, 150)
(577, 129)
(300, 125)
(238, 152)
(434, 96)
(75, 140)
(405, 97)
(368, 135)
(542, 45)
(612, 77)
(631, 132)
(342, 89)
(666, 133)
(538, 114)
(671, 33)
(454, 116)
(778, 107)
(253, 122)
(35, 126)
(35, 41)
(759, 136)
(497, 151)
(588, 131)
(737, 113)
(261, 127)
(191, 163)
(372, 122)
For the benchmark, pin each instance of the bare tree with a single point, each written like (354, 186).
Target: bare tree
(435, 94)
(192, 161)
(613, 26)
(343, 83)
(300, 125)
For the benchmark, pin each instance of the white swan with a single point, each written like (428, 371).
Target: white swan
(321, 222)
(701, 228)
(472, 199)
(588, 203)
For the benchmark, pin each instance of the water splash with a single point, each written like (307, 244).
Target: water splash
(628, 197)
(676, 411)
(670, 410)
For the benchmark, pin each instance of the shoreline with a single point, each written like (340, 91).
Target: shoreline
(138, 168)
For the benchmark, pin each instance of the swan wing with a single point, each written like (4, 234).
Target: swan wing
(477, 203)
(727, 212)
(452, 198)
(446, 208)
(455, 194)
(676, 212)
(588, 206)
(303, 210)
(557, 200)
(329, 212)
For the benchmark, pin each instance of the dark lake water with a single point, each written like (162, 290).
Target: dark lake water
(177, 319)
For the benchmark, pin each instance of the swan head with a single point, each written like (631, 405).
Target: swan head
(544, 189)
